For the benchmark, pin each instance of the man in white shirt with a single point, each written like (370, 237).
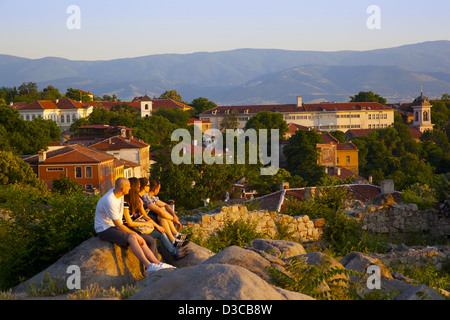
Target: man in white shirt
(109, 226)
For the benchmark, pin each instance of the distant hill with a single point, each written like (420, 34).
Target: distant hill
(248, 75)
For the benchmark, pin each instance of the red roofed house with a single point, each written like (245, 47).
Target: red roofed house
(89, 167)
(319, 116)
(135, 153)
(63, 111)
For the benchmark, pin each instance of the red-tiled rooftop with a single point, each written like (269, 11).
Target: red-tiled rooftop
(292, 108)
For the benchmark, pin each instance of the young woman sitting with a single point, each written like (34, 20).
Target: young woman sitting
(134, 209)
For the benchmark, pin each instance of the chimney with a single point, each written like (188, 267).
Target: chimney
(42, 155)
(299, 101)
(387, 186)
(284, 185)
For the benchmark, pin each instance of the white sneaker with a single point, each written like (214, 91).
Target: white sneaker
(166, 266)
(152, 267)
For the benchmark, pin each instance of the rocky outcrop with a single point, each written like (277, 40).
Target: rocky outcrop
(232, 274)
(100, 263)
(211, 281)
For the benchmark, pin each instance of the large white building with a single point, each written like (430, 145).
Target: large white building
(63, 111)
(319, 116)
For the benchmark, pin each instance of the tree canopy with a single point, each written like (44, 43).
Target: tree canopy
(368, 96)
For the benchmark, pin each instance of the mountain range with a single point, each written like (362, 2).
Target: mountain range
(249, 76)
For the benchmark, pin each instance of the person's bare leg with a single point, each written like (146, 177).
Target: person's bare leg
(143, 253)
(165, 224)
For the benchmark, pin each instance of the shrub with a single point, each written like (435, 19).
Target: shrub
(233, 233)
(311, 280)
(40, 230)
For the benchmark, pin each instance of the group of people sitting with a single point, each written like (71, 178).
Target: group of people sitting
(131, 214)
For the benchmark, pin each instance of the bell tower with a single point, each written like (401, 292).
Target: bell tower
(422, 113)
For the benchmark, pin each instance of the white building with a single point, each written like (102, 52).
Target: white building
(63, 111)
(319, 116)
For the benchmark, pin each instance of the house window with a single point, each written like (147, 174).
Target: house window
(146, 107)
(347, 158)
(54, 169)
(78, 172)
(88, 172)
(62, 118)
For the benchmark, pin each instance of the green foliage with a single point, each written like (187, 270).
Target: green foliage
(66, 185)
(178, 117)
(155, 130)
(342, 233)
(41, 228)
(302, 154)
(324, 205)
(312, 280)
(391, 153)
(25, 137)
(14, 171)
(442, 187)
(367, 96)
(201, 105)
(233, 233)
(409, 196)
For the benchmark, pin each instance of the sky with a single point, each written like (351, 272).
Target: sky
(113, 29)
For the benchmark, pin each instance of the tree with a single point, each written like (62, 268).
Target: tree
(302, 155)
(172, 94)
(14, 170)
(155, 130)
(201, 105)
(178, 117)
(367, 96)
(229, 122)
(77, 95)
(50, 93)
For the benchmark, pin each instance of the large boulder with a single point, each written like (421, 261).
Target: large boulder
(197, 254)
(247, 259)
(279, 248)
(211, 282)
(101, 263)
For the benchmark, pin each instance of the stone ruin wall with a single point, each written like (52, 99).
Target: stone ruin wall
(301, 227)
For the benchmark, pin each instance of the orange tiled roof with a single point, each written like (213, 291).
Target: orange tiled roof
(73, 154)
(291, 108)
(119, 142)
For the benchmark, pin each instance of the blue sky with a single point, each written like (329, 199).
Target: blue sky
(121, 29)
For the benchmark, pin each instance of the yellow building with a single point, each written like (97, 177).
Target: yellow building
(319, 116)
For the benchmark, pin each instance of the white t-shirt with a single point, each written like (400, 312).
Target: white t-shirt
(109, 208)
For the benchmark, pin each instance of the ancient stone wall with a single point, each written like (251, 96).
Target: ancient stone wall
(404, 218)
(301, 227)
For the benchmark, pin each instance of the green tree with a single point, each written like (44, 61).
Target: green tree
(155, 130)
(367, 96)
(171, 94)
(178, 117)
(229, 122)
(302, 155)
(50, 93)
(77, 95)
(201, 105)
(14, 170)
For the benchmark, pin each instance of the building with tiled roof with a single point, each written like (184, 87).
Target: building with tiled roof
(63, 111)
(319, 116)
(91, 168)
(277, 201)
(129, 149)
